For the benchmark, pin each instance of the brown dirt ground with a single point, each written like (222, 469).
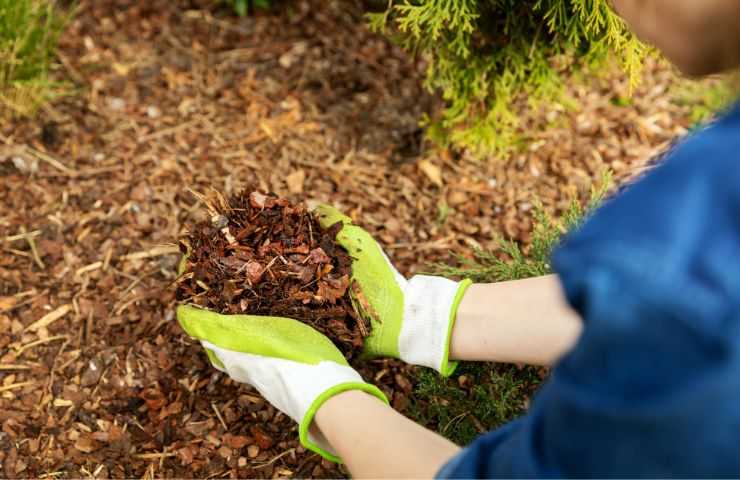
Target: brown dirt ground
(96, 378)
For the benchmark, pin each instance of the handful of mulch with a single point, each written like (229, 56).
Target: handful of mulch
(263, 255)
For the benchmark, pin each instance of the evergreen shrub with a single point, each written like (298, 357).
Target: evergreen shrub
(485, 55)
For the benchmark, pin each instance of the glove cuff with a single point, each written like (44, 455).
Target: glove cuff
(430, 308)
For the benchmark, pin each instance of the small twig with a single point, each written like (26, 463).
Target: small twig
(134, 282)
(36, 343)
(106, 259)
(275, 459)
(157, 251)
(88, 268)
(153, 456)
(50, 317)
(455, 419)
(216, 474)
(73, 72)
(20, 253)
(45, 157)
(218, 414)
(34, 250)
(126, 304)
(11, 366)
(13, 386)
(30, 293)
(167, 131)
(52, 474)
(91, 172)
(272, 262)
(22, 236)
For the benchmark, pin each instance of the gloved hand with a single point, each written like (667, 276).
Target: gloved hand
(292, 365)
(411, 319)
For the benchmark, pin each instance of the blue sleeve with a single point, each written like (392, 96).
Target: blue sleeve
(652, 388)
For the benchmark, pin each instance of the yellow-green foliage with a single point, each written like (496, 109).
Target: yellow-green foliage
(486, 54)
(509, 262)
(29, 30)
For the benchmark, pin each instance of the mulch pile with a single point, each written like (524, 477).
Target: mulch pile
(262, 255)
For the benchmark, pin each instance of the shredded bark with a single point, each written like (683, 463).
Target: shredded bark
(263, 255)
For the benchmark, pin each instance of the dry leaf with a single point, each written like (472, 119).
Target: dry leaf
(295, 181)
(6, 303)
(433, 172)
(318, 256)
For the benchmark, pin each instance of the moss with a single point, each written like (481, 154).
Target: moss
(477, 398)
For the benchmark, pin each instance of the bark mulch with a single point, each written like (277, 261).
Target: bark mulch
(96, 377)
(259, 254)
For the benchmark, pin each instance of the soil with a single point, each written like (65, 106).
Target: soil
(259, 254)
(96, 377)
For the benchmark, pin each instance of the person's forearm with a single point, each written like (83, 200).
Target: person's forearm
(375, 441)
(522, 321)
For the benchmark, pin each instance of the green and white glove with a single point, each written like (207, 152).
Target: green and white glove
(292, 365)
(411, 319)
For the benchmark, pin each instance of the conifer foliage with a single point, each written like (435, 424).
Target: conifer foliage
(486, 54)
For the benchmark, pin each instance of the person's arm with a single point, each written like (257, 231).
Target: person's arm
(522, 321)
(525, 321)
(433, 321)
(375, 441)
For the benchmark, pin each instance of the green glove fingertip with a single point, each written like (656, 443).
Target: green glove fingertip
(187, 317)
(329, 215)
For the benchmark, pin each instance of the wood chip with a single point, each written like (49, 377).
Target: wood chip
(50, 317)
(7, 303)
(295, 181)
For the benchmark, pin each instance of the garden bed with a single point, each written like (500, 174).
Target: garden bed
(96, 377)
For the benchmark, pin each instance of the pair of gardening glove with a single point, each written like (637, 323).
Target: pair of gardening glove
(297, 369)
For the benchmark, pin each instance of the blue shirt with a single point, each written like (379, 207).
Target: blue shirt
(652, 387)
